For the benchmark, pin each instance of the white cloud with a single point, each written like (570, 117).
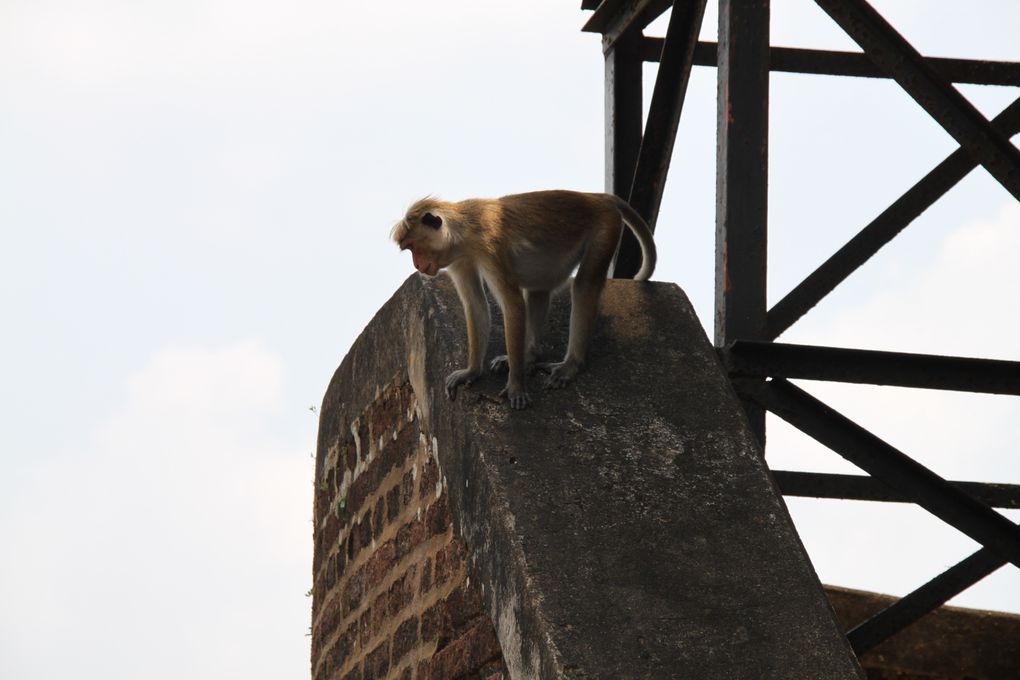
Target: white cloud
(959, 305)
(180, 528)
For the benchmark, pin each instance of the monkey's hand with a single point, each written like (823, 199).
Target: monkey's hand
(518, 398)
(464, 376)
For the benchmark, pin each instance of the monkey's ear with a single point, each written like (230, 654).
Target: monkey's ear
(430, 220)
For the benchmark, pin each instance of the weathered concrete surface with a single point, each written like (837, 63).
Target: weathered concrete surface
(623, 527)
(951, 643)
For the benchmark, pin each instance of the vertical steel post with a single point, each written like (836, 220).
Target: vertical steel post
(742, 178)
(660, 129)
(623, 116)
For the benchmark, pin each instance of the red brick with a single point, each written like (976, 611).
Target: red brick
(396, 451)
(405, 638)
(389, 457)
(407, 488)
(426, 577)
(330, 573)
(329, 623)
(340, 564)
(338, 654)
(435, 624)
(409, 537)
(365, 627)
(319, 551)
(448, 562)
(377, 517)
(466, 654)
(429, 478)
(403, 590)
(361, 488)
(406, 443)
(393, 503)
(463, 604)
(361, 535)
(377, 663)
(380, 610)
(437, 518)
(353, 591)
(329, 533)
(382, 562)
(383, 412)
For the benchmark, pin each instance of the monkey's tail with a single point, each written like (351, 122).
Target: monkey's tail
(643, 233)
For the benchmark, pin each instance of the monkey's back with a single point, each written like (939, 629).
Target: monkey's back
(558, 218)
(548, 232)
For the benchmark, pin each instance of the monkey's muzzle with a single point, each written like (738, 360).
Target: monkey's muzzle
(422, 262)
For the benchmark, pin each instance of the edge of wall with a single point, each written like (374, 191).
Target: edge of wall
(623, 527)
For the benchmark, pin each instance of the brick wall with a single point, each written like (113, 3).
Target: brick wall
(391, 595)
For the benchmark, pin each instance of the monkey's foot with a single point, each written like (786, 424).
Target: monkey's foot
(464, 376)
(518, 398)
(501, 364)
(560, 373)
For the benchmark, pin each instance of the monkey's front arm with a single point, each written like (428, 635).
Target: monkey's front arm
(476, 315)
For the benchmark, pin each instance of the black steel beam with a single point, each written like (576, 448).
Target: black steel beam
(615, 19)
(661, 126)
(742, 123)
(854, 64)
(881, 231)
(935, 593)
(863, 488)
(908, 609)
(888, 464)
(742, 170)
(623, 120)
(894, 55)
(750, 359)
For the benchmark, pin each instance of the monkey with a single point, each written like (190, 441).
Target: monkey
(523, 247)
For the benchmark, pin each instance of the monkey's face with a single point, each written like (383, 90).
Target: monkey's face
(426, 236)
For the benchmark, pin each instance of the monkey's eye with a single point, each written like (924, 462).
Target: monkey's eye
(433, 221)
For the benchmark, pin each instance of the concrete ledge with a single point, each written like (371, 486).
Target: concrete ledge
(624, 527)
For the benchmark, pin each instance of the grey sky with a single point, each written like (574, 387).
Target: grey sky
(195, 199)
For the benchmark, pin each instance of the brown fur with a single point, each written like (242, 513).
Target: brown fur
(523, 246)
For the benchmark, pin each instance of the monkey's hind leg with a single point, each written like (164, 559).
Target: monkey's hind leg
(584, 305)
(583, 310)
(536, 303)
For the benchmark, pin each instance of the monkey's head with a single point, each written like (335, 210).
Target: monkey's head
(425, 231)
